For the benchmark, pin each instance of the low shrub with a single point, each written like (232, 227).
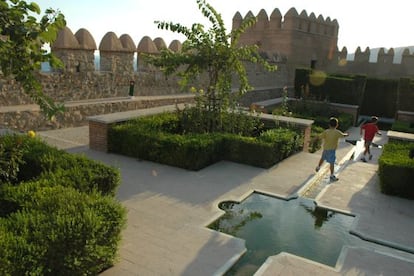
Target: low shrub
(59, 231)
(12, 150)
(403, 126)
(197, 150)
(36, 150)
(79, 172)
(396, 169)
(269, 148)
(315, 141)
(58, 215)
(31, 159)
(345, 121)
(249, 151)
(196, 120)
(320, 113)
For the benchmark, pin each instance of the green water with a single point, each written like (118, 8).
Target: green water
(270, 225)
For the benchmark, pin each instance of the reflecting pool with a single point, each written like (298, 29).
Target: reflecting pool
(270, 225)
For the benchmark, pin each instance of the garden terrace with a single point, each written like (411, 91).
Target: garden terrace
(99, 125)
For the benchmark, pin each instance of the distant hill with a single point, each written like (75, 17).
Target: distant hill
(398, 51)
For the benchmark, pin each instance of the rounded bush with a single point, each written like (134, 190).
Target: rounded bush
(60, 231)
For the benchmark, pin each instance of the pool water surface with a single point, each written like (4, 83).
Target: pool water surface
(270, 225)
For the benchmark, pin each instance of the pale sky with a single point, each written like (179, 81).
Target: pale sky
(364, 23)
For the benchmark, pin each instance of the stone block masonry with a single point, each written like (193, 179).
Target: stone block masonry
(99, 125)
(29, 117)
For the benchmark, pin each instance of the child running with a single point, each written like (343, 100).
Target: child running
(369, 129)
(330, 143)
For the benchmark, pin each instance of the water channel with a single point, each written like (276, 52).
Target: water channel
(272, 225)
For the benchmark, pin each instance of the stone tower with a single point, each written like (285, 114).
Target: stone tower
(303, 39)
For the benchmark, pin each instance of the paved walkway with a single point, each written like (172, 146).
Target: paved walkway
(169, 209)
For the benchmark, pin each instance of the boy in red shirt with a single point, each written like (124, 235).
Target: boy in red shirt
(369, 129)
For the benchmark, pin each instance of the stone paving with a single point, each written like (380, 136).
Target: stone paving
(169, 209)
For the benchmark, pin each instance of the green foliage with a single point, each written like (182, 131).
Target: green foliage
(264, 151)
(396, 169)
(196, 150)
(315, 140)
(215, 54)
(191, 151)
(301, 82)
(21, 41)
(320, 112)
(166, 121)
(403, 126)
(196, 120)
(60, 219)
(80, 173)
(406, 94)
(12, 149)
(380, 97)
(39, 160)
(59, 231)
(231, 222)
(317, 85)
(285, 141)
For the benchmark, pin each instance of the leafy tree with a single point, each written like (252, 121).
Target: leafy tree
(21, 41)
(214, 54)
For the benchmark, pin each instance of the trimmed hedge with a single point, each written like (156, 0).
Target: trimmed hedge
(346, 89)
(195, 151)
(320, 112)
(396, 169)
(380, 97)
(403, 126)
(59, 218)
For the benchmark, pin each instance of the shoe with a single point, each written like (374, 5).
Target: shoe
(363, 159)
(370, 156)
(333, 178)
(317, 169)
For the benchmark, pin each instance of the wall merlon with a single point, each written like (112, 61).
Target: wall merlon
(127, 43)
(85, 39)
(65, 40)
(175, 45)
(237, 20)
(160, 43)
(147, 45)
(110, 43)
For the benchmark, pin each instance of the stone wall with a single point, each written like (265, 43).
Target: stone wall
(29, 117)
(297, 40)
(306, 40)
(68, 86)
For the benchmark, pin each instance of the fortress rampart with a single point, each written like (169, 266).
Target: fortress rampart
(385, 66)
(79, 79)
(306, 40)
(289, 41)
(87, 91)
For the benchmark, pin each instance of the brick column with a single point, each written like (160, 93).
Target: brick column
(306, 138)
(98, 136)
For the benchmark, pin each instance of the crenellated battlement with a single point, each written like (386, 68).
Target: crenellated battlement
(300, 38)
(290, 41)
(295, 39)
(77, 51)
(378, 63)
(306, 40)
(292, 21)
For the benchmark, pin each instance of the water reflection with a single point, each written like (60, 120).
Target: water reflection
(320, 214)
(270, 225)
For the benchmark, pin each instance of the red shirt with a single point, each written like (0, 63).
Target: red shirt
(370, 131)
